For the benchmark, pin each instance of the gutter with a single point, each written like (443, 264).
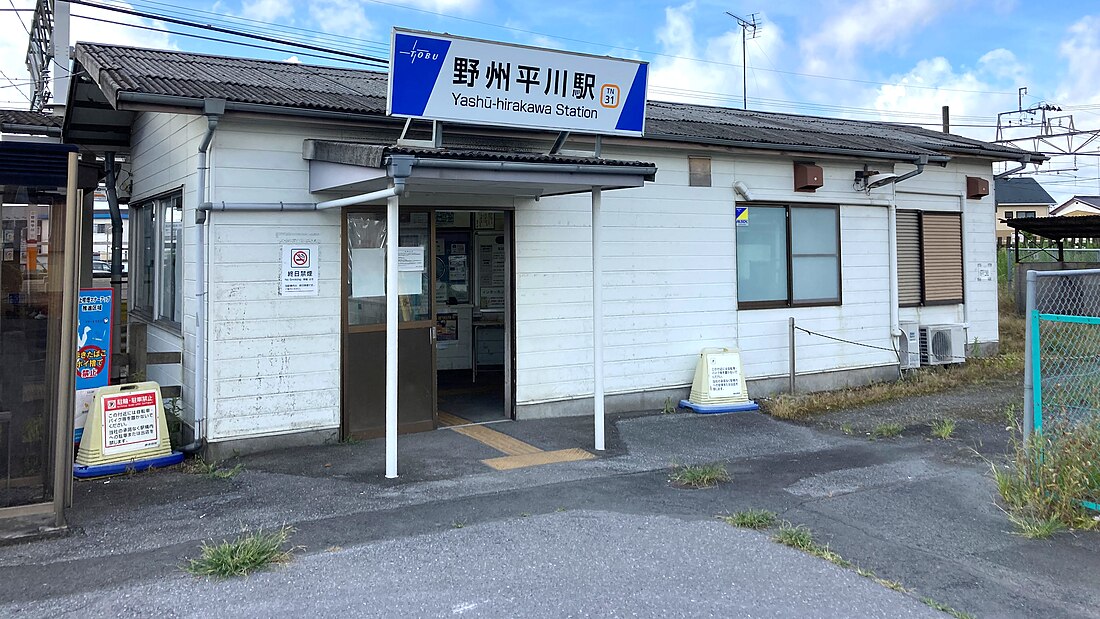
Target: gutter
(53, 132)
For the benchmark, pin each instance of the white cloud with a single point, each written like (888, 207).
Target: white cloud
(267, 10)
(344, 17)
(874, 25)
(718, 80)
(443, 6)
(1081, 50)
(14, 39)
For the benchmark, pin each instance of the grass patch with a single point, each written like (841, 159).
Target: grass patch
(1007, 364)
(886, 430)
(943, 429)
(213, 470)
(795, 536)
(957, 614)
(670, 407)
(751, 519)
(245, 554)
(699, 476)
(1042, 486)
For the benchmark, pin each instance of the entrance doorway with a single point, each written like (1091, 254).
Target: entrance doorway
(473, 315)
(454, 322)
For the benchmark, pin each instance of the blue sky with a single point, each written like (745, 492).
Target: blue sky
(896, 60)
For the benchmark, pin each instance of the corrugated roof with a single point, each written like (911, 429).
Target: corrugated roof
(1021, 191)
(1057, 228)
(27, 118)
(119, 69)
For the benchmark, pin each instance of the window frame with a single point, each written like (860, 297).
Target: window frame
(924, 302)
(153, 266)
(789, 302)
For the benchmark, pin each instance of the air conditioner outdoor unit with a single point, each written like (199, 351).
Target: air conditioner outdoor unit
(941, 344)
(909, 345)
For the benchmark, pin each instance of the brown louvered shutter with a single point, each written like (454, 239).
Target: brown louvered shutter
(943, 264)
(909, 251)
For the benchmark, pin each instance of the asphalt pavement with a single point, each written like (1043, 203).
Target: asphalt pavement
(602, 537)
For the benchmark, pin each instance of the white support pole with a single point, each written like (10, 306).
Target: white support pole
(597, 319)
(392, 234)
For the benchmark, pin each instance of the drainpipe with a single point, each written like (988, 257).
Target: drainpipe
(1026, 159)
(892, 227)
(116, 250)
(213, 110)
(892, 243)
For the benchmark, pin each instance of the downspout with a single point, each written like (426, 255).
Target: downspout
(892, 227)
(116, 248)
(213, 110)
(892, 243)
(1026, 159)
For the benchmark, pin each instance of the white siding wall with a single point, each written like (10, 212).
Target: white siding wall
(944, 189)
(164, 153)
(670, 275)
(274, 361)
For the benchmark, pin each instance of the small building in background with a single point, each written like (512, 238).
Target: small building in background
(1077, 206)
(1019, 198)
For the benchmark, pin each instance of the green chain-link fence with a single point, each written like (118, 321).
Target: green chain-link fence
(1062, 380)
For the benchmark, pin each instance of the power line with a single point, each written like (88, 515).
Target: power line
(339, 42)
(21, 22)
(674, 56)
(17, 87)
(183, 22)
(217, 40)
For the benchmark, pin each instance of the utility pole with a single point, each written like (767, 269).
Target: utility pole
(754, 23)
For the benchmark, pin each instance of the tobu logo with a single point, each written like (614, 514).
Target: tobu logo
(90, 361)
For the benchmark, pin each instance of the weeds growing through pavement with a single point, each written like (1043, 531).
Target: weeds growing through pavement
(243, 555)
(751, 519)
(699, 475)
(943, 429)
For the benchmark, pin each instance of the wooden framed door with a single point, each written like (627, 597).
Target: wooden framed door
(363, 355)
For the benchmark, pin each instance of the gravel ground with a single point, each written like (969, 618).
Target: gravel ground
(987, 403)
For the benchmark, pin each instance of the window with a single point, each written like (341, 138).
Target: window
(699, 171)
(789, 256)
(157, 279)
(930, 259)
(1025, 214)
(1008, 214)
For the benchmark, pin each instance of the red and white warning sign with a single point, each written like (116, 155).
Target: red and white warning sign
(299, 271)
(130, 422)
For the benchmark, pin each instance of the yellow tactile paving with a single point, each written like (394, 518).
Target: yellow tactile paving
(498, 440)
(505, 463)
(448, 419)
(517, 453)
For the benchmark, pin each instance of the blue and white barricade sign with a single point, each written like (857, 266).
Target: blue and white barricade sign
(93, 350)
(443, 77)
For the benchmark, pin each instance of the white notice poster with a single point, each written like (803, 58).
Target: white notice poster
(368, 272)
(410, 259)
(724, 374)
(299, 271)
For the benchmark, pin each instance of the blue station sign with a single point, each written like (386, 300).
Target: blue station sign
(448, 78)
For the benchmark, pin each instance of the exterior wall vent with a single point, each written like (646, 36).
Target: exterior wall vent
(976, 187)
(807, 177)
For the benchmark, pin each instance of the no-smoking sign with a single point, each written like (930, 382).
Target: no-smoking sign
(299, 276)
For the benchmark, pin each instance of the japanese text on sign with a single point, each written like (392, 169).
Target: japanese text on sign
(467, 80)
(130, 422)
